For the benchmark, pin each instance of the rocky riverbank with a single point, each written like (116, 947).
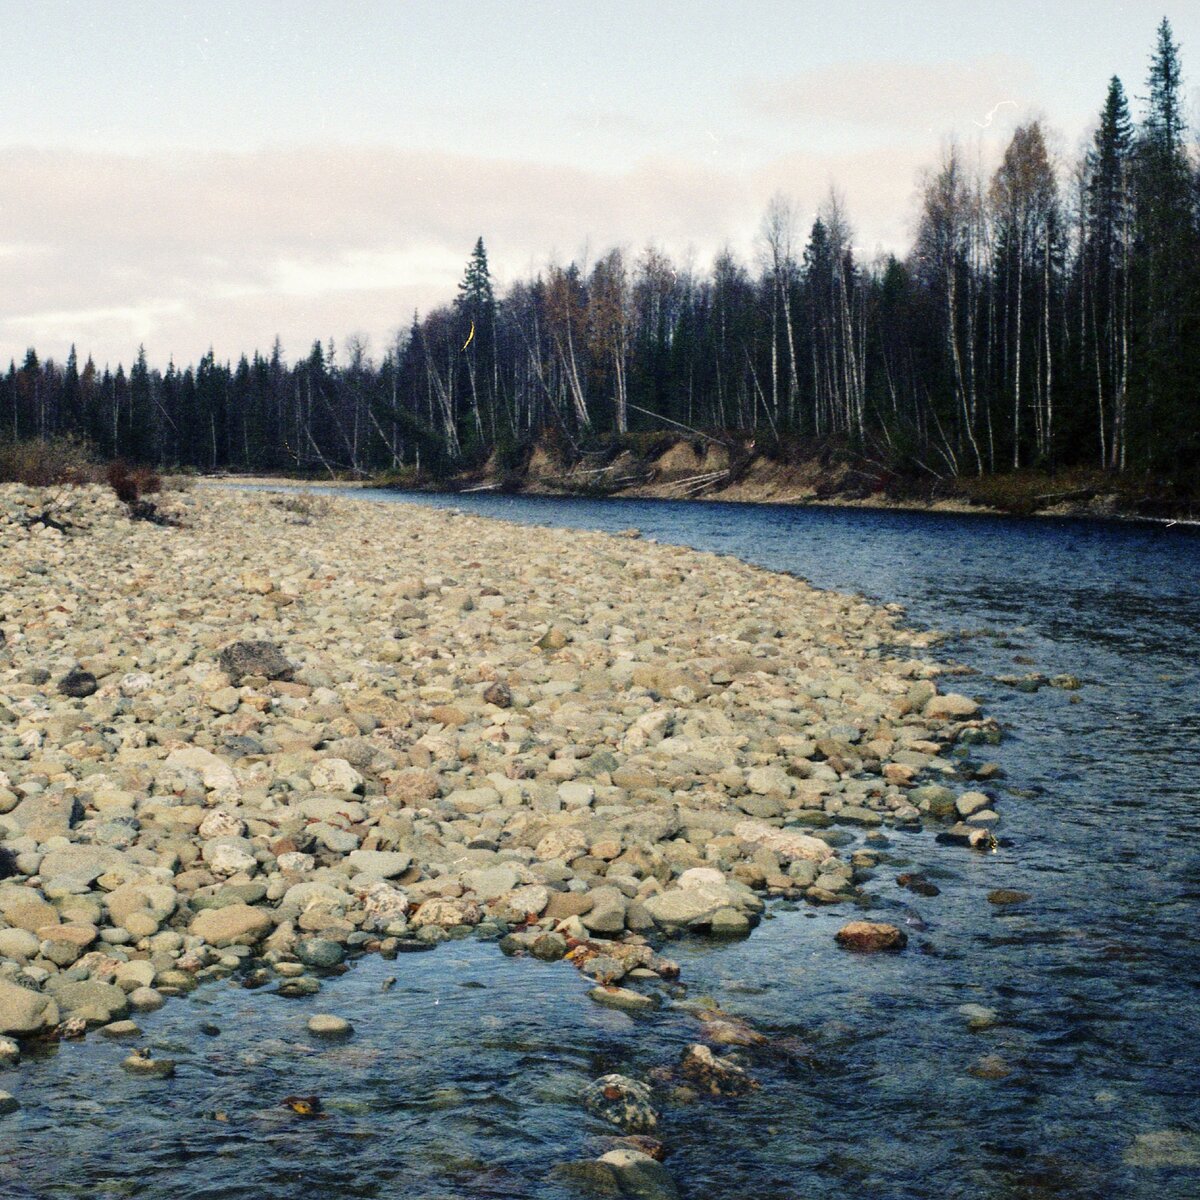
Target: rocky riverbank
(736, 470)
(293, 728)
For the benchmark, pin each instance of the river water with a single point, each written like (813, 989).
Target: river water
(462, 1080)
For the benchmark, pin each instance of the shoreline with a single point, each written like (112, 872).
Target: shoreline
(295, 729)
(874, 502)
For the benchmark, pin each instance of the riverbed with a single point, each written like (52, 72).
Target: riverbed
(463, 1079)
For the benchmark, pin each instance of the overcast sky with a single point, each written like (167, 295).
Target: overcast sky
(193, 174)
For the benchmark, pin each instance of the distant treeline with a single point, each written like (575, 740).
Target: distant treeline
(1048, 315)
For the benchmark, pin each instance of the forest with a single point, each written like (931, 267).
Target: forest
(1046, 316)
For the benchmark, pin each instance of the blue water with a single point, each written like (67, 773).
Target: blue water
(463, 1080)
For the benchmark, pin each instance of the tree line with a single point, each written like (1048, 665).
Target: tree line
(1047, 314)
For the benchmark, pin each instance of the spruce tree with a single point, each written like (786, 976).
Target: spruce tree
(1168, 428)
(1104, 273)
(476, 306)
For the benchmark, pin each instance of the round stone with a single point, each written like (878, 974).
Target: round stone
(327, 1025)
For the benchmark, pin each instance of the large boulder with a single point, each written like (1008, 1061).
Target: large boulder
(46, 815)
(789, 844)
(79, 866)
(691, 905)
(336, 775)
(638, 1174)
(490, 883)
(25, 1011)
(93, 1001)
(235, 924)
(700, 894)
(717, 1076)
(229, 855)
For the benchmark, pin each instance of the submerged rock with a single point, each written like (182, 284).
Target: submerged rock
(714, 1075)
(869, 936)
(329, 1026)
(141, 1063)
(1165, 1148)
(641, 1176)
(623, 998)
(622, 1101)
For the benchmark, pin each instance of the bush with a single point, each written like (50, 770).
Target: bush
(49, 462)
(132, 485)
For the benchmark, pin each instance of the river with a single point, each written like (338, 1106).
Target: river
(463, 1079)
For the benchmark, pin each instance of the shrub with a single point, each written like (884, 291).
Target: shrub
(48, 462)
(131, 485)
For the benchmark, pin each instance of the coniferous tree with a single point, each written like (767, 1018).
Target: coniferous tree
(1167, 433)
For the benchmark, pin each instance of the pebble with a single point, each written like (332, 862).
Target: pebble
(609, 735)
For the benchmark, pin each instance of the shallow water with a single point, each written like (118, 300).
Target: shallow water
(463, 1079)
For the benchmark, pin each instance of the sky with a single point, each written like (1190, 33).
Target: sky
(186, 175)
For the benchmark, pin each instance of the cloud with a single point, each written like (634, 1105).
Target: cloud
(893, 96)
(183, 251)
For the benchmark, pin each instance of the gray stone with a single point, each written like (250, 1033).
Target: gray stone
(95, 1002)
(382, 864)
(25, 1011)
(490, 883)
(336, 775)
(319, 952)
(970, 803)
